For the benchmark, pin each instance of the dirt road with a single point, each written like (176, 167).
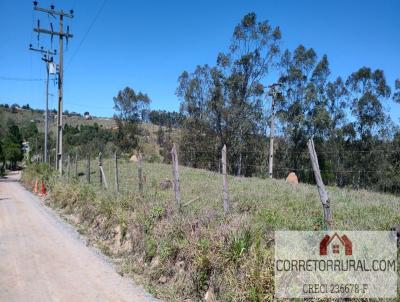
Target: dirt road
(43, 259)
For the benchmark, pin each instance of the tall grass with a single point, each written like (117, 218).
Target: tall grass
(181, 255)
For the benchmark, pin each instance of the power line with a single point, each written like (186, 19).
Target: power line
(87, 32)
(86, 106)
(3, 78)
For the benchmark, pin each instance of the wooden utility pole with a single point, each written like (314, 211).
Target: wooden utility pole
(273, 93)
(323, 194)
(47, 58)
(225, 194)
(175, 174)
(61, 34)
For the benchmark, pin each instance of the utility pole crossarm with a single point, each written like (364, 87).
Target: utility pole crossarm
(53, 12)
(46, 31)
(43, 51)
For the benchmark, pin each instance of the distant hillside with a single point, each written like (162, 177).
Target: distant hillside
(153, 144)
(22, 116)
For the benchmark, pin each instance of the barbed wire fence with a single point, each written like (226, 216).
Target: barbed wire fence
(120, 170)
(126, 175)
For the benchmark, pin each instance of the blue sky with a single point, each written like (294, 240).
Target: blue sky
(147, 44)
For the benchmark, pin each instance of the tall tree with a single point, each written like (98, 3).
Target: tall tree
(224, 103)
(368, 90)
(129, 107)
(12, 145)
(195, 91)
(299, 92)
(253, 51)
(396, 95)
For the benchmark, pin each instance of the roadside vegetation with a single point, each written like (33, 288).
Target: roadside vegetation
(180, 256)
(184, 255)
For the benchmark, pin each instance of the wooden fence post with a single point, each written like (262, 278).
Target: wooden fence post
(102, 177)
(116, 173)
(175, 174)
(68, 165)
(140, 177)
(323, 194)
(76, 165)
(225, 194)
(88, 169)
(100, 166)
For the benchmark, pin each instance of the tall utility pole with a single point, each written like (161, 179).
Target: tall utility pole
(61, 34)
(47, 59)
(274, 94)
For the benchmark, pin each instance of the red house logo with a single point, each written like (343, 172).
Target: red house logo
(336, 244)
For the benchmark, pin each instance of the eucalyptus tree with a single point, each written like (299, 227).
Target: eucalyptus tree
(253, 52)
(337, 104)
(225, 102)
(368, 91)
(396, 95)
(129, 106)
(299, 78)
(195, 91)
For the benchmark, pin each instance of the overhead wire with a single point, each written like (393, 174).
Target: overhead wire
(3, 78)
(87, 32)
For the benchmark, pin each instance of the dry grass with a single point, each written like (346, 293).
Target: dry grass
(181, 255)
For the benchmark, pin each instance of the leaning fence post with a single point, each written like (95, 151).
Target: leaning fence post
(116, 173)
(175, 174)
(140, 177)
(102, 178)
(225, 194)
(323, 194)
(76, 165)
(88, 169)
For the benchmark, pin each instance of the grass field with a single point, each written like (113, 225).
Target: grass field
(292, 207)
(182, 255)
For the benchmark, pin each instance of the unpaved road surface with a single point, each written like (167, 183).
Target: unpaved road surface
(43, 259)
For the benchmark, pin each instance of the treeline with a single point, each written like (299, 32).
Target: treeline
(357, 142)
(166, 118)
(13, 108)
(11, 142)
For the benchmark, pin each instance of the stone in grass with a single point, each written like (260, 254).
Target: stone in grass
(292, 178)
(209, 296)
(165, 184)
(162, 279)
(134, 158)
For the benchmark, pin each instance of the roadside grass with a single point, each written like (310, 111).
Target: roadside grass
(180, 256)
